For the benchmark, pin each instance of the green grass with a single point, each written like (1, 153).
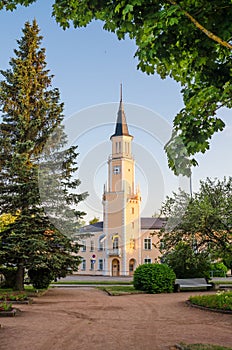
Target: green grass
(202, 347)
(93, 282)
(29, 291)
(120, 290)
(219, 301)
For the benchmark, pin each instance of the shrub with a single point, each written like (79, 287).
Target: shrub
(40, 278)
(218, 269)
(154, 278)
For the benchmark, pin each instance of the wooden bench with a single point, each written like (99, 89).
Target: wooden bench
(191, 283)
(221, 282)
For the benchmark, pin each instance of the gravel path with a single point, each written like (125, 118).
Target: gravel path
(89, 319)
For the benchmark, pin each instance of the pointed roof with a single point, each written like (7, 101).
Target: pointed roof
(121, 127)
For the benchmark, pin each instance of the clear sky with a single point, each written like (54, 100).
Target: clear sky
(88, 66)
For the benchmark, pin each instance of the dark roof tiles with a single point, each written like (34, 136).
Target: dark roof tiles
(146, 224)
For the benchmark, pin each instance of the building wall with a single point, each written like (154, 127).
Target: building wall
(144, 245)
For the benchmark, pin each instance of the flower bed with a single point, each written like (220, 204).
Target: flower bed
(222, 301)
(6, 310)
(14, 298)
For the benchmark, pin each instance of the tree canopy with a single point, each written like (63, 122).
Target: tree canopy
(189, 41)
(204, 221)
(31, 119)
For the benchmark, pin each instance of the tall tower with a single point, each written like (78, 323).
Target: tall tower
(121, 203)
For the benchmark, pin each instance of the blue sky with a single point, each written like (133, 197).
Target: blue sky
(89, 64)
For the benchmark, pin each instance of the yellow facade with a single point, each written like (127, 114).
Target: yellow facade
(124, 240)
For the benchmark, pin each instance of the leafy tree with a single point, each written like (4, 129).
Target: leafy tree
(206, 222)
(32, 116)
(187, 263)
(190, 41)
(94, 220)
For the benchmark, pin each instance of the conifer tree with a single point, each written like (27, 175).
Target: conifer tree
(31, 114)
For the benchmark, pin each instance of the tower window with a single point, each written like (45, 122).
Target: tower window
(117, 169)
(115, 243)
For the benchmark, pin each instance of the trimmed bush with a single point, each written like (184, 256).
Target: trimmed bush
(218, 269)
(154, 278)
(40, 278)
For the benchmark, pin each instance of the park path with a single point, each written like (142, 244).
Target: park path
(89, 319)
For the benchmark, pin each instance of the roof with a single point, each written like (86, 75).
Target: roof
(152, 223)
(146, 224)
(121, 128)
(96, 227)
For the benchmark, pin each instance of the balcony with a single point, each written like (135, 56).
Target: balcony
(114, 252)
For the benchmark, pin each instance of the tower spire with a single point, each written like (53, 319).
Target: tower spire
(121, 92)
(121, 127)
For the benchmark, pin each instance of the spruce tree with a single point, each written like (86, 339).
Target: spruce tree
(31, 114)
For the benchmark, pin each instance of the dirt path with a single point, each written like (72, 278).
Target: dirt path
(88, 319)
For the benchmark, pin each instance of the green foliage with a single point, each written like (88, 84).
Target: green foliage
(186, 263)
(36, 178)
(218, 269)
(5, 220)
(221, 301)
(40, 278)
(154, 278)
(13, 296)
(120, 290)
(94, 220)
(203, 221)
(5, 306)
(9, 274)
(188, 41)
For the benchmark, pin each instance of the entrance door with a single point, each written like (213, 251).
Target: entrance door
(115, 267)
(131, 267)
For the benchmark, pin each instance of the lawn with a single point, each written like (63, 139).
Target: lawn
(120, 290)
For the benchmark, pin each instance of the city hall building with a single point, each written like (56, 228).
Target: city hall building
(124, 239)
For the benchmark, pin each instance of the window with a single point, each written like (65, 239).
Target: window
(83, 267)
(147, 243)
(132, 243)
(91, 246)
(132, 210)
(100, 264)
(117, 170)
(115, 243)
(100, 245)
(147, 261)
(83, 246)
(92, 262)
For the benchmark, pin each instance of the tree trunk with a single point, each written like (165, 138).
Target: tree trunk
(19, 280)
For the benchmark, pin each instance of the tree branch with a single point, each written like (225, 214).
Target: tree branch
(202, 28)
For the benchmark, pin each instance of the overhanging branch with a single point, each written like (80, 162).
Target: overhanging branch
(202, 28)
